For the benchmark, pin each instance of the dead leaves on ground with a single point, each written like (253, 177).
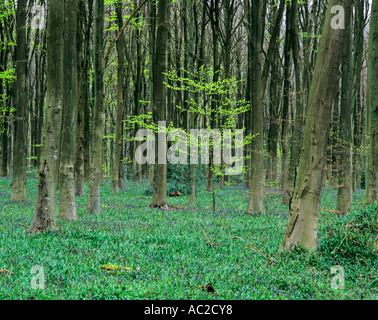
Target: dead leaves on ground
(6, 271)
(175, 194)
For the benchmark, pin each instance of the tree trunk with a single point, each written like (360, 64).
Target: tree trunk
(298, 119)
(44, 213)
(372, 105)
(20, 142)
(192, 166)
(67, 206)
(79, 152)
(159, 197)
(302, 226)
(93, 206)
(344, 191)
(255, 34)
(286, 111)
(119, 114)
(214, 17)
(86, 97)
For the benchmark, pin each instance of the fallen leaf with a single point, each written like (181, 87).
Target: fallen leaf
(6, 271)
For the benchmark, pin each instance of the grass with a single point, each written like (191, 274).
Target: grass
(180, 251)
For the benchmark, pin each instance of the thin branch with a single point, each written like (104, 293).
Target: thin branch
(120, 32)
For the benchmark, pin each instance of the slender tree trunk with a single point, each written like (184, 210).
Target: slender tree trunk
(119, 114)
(298, 120)
(44, 213)
(302, 226)
(93, 206)
(285, 111)
(137, 94)
(3, 109)
(4, 113)
(79, 152)
(159, 197)
(152, 44)
(358, 55)
(344, 191)
(4, 144)
(20, 142)
(214, 17)
(192, 166)
(86, 96)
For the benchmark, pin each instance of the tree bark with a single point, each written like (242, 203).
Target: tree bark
(372, 105)
(159, 184)
(67, 206)
(344, 191)
(119, 113)
(255, 34)
(20, 142)
(192, 166)
(44, 213)
(286, 111)
(79, 152)
(298, 120)
(302, 226)
(93, 206)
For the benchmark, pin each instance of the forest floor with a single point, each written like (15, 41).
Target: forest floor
(173, 254)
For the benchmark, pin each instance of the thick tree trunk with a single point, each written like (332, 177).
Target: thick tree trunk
(302, 226)
(372, 106)
(44, 213)
(67, 206)
(255, 34)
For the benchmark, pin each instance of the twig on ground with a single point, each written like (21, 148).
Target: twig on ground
(22, 225)
(208, 241)
(271, 260)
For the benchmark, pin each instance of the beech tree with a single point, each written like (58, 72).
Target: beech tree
(67, 204)
(19, 143)
(254, 18)
(344, 194)
(302, 228)
(159, 185)
(44, 213)
(95, 177)
(119, 114)
(372, 106)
